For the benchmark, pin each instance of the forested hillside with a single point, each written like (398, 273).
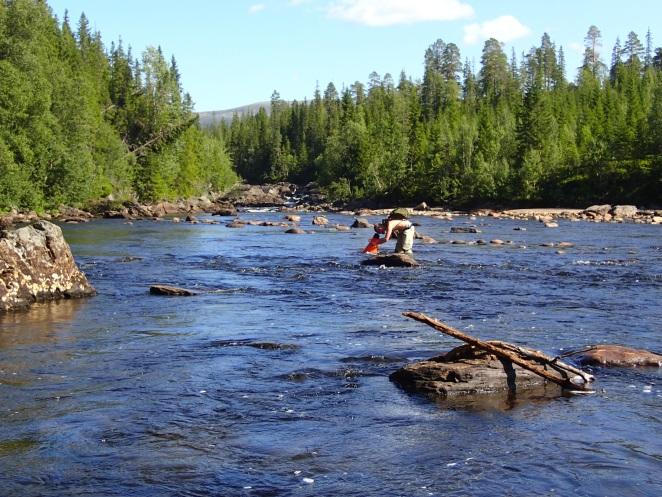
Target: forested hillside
(513, 131)
(80, 120)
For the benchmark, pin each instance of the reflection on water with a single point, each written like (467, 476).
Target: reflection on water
(274, 379)
(41, 324)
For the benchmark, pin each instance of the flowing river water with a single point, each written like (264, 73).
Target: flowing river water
(274, 379)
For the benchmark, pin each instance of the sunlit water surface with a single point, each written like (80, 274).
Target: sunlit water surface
(274, 380)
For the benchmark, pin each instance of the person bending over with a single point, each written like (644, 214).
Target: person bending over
(397, 225)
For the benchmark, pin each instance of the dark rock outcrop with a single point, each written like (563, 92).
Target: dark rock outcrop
(615, 356)
(225, 210)
(464, 371)
(36, 264)
(391, 260)
(66, 214)
(259, 195)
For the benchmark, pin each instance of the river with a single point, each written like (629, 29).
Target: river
(274, 379)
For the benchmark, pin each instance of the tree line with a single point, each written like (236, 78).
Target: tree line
(513, 132)
(80, 121)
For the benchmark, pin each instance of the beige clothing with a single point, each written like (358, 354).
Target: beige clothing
(404, 232)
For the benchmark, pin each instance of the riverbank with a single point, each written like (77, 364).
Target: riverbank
(290, 198)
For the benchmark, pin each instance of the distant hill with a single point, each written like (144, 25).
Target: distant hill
(217, 116)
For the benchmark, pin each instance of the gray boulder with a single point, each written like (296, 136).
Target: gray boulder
(598, 209)
(36, 264)
(625, 211)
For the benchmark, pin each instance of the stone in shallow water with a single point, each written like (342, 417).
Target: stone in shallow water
(36, 264)
(465, 371)
(391, 260)
(615, 356)
(170, 290)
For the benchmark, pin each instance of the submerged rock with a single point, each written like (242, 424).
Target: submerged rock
(464, 229)
(464, 371)
(360, 222)
(615, 356)
(36, 264)
(391, 260)
(171, 290)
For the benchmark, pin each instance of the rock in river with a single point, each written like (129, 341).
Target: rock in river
(36, 264)
(171, 290)
(615, 356)
(465, 370)
(391, 260)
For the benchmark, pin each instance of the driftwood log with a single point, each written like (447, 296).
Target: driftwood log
(550, 368)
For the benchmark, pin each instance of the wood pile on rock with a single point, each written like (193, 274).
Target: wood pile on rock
(488, 367)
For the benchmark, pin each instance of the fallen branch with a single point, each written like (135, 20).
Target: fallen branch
(553, 362)
(510, 352)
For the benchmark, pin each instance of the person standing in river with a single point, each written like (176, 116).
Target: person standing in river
(399, 226)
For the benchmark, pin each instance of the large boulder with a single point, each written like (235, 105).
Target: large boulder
(600, 210)
(625, 211)
(608, 355)
(464, 371)
(36, 264)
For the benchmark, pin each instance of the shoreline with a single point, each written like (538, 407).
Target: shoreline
(288, 198)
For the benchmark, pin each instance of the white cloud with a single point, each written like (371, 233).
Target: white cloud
(504, 28)
(254, 9)
(392, 12)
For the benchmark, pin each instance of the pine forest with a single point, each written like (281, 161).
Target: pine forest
(81, 120)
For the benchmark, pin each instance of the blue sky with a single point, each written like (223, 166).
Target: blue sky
(236, 52)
